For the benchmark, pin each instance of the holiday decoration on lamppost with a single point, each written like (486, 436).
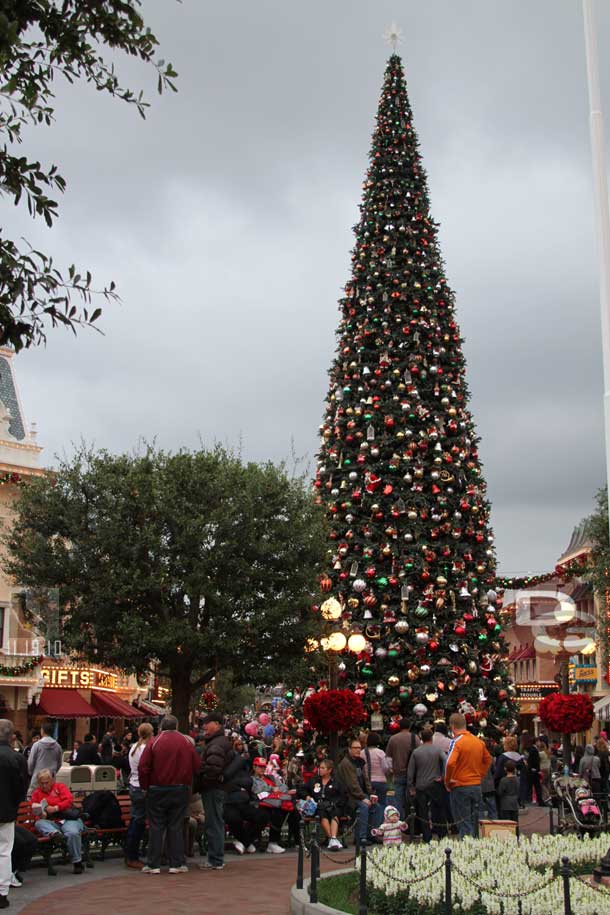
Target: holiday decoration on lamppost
(564, 713)
(335, 639)
(411, 555)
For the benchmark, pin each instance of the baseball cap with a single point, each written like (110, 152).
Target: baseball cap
(259, 761)
(213, 716)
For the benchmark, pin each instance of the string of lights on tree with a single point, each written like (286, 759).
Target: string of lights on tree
(411, 556)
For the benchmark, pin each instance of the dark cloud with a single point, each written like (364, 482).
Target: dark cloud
(226, 218)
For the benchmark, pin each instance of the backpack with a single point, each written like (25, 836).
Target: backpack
(102, 809)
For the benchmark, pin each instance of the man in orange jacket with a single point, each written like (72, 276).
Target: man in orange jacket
(467, 763)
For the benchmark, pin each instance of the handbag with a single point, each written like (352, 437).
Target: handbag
(71, 813)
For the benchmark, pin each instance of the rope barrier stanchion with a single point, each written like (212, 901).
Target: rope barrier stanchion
(362, 903)
(317, 840)
(448, 891)
(411, 820)
(301, 855)
(566, 873)
(313, 885)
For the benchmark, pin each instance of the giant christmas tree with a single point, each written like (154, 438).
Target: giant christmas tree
(411, 557)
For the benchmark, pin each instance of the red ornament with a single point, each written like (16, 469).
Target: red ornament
(373, 482)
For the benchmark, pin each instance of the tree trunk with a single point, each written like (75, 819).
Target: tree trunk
(180, 678)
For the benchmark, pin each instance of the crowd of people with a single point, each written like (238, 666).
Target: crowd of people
(232, 776)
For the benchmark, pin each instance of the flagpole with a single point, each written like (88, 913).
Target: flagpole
(602, 214)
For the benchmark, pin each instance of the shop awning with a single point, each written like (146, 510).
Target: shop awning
(601, 708)
(64, 703)
(110, 706)
(149, 708)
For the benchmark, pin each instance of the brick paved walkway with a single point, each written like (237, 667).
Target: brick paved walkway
(247, 886)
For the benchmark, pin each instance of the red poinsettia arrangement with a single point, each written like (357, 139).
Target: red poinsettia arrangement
(567, 714)
(334, 710)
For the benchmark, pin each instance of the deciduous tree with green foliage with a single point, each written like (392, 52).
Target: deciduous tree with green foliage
(41, 40)
(195, 561)
(597, 531)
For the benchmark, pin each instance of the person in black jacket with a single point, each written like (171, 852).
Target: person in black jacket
(14, 780)
(244, 818)
(24, 847)
(329, 795)
(533, 774)
(216, 756)
(87, 754)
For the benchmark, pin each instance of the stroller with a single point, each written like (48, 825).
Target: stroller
(577, 808)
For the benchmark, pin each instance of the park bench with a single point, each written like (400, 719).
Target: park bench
(48, 845)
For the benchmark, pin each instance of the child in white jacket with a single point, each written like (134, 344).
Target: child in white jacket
(392, 827)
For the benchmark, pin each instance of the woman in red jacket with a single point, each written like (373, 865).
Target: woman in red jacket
(51, 798)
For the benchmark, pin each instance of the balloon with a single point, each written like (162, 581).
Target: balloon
(251, 729)
(264, 718)
(268, 730)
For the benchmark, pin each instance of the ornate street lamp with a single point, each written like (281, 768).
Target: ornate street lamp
(335, 638)
(562, 646)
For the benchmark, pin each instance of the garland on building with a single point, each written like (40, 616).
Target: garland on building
(563, 570)
(14, 479)
(17, 671)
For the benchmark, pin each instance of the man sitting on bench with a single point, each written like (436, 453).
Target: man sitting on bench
(53, 805)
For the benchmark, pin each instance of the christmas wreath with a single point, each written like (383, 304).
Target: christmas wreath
(334, 710)
(567, 714)
(208, 701)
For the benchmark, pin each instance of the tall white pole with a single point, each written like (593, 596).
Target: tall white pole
(602, 214)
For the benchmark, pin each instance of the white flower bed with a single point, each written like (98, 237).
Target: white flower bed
(503, 864)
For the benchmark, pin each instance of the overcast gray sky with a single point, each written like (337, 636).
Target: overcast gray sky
(225, 220)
